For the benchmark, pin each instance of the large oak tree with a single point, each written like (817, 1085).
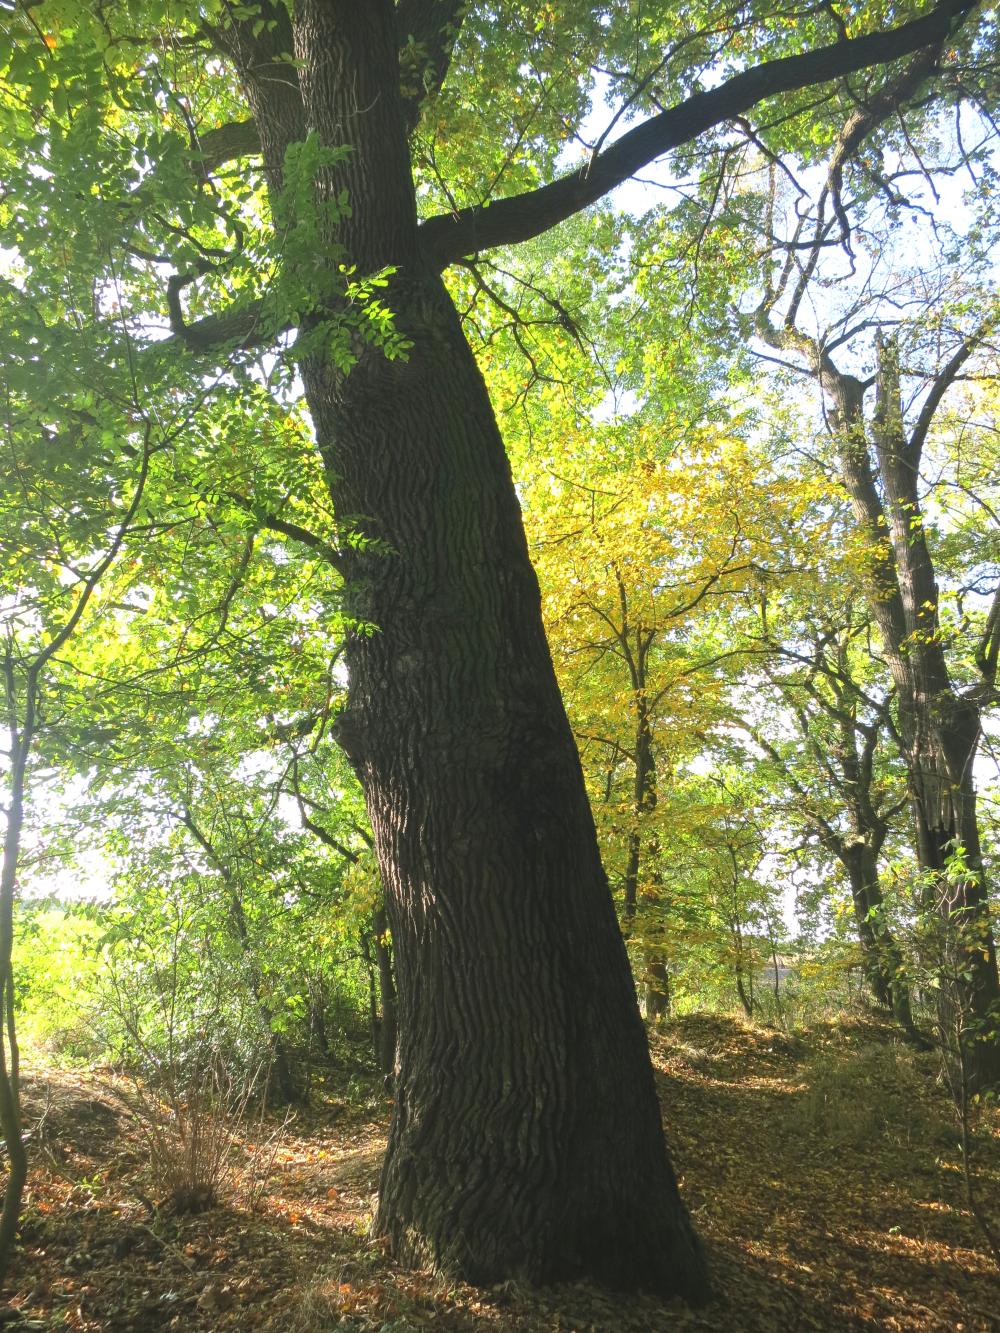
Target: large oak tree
(526, 1137)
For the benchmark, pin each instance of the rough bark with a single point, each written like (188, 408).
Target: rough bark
(521, 1054)
(526, 1137)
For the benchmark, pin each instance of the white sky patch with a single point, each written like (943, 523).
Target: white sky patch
(88, 879)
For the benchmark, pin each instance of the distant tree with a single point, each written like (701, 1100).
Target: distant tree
(829, 757)
(881, 426)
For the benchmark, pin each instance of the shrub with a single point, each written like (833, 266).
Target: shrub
(194, 1125)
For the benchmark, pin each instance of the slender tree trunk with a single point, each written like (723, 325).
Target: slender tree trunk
(775, 969)
(939, 728)
(743, 979)
(882, 958)
(644, 793)
(631, 881)
(656, 977)
(10, 1094)
(657, 990)
(288, 1089)
(389, 1027)
(526, 1139)
(318, 1036)
(374, 1025)
(741, 990)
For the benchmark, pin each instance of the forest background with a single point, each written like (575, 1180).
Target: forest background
(749, 405)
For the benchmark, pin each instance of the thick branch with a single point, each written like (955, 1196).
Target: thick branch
(300, 534)
(226, 143)
(426, 31)
(425, 28)
(243, 326)
(942, 383)
(452, 236)
(865, 119)
(988, 648)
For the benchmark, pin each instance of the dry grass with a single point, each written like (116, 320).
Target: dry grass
(195, 1131)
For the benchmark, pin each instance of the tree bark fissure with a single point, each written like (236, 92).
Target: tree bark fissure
(510, 966)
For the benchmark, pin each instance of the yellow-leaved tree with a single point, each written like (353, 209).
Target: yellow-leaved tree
(646, 540)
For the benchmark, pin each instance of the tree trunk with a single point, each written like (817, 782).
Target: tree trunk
(657, 978)
(389, 1027)
(881, 956)
(318, 1037)
(657, 990)
(374, 1025)
(940, 731)
(746, 1000)
(741, 975)
(644, 788)
(939, 728)
(526, 1139)
(21, 734)
(950, 854)
(939, 725)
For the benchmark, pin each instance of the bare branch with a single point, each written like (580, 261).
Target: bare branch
(942, 383)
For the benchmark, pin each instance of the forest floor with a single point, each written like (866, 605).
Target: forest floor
(821, 1167)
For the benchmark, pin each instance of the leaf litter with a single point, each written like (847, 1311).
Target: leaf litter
(822, 1170)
